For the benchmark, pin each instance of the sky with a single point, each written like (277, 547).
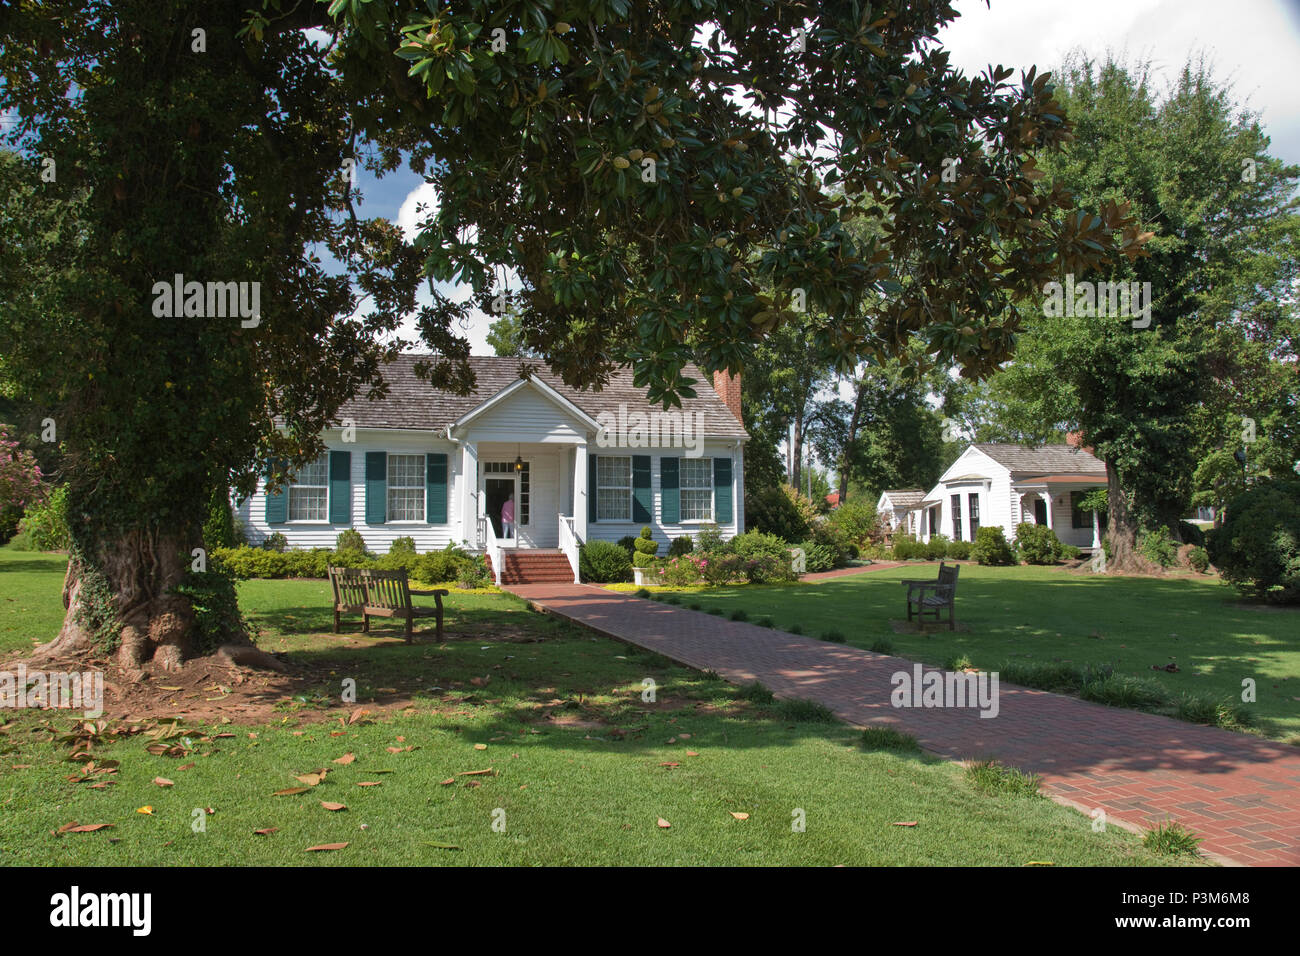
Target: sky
(1254, 44)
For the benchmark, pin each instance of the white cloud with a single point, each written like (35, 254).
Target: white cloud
(1250, 44)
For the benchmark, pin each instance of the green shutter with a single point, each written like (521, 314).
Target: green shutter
(722, 490)
(340, 487)
(670, 497)
(376, 487)
(435, 488)
(642, 496)
(591, 487)
(277, 505)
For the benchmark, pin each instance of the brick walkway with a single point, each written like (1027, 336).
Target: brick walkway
(1240, 793)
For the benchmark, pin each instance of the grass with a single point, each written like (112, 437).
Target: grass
(991, 777)
(1036, 620)
(1172, 839)
(582, 767)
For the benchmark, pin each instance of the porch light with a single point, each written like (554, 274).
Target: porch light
(519, 463)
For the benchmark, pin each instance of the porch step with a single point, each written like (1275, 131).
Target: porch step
(535, 566)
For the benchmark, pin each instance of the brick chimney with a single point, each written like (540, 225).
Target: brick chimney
(1075, 440)
(728, 388)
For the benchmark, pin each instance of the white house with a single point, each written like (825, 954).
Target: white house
(1005, 485)
(896, 510)
(580, 465)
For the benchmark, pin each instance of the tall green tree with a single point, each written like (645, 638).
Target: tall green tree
(1195, 167)
(620, 159)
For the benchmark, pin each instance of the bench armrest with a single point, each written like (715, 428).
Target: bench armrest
(442, 592)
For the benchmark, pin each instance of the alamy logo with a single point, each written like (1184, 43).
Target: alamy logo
(74, 908)
(1087, 300)
(945, 689)
(658, 429)
(208, 300)
(54, 689)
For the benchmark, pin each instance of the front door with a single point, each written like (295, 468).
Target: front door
(1040, 512)
(501, 501)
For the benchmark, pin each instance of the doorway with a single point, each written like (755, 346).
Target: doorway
(497, 490)
(1040, 512)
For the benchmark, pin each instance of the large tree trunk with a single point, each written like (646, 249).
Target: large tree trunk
(849, 439)
(153, 624)
(1123, 530)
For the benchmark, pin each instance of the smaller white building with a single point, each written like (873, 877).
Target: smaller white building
(1005, 485)
(896, 510)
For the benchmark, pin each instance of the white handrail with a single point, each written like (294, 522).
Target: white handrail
(569, 544)
(491, 546)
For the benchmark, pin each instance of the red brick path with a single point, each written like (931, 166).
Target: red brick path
(1240, 793)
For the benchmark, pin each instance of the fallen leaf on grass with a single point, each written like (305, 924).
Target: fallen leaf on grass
(188, 766)
(441, 846)
(325, 846)
(691, 753)
(75, 827)
(332, 806)
(266, 832)
(908, 823)
(740, 816)
(449, 781)
(370, 783)
(670, 765)
(346, 759)
(290, 792)
(663, 824)
(164, 782)
(480, 746)
(147, 811)
(311, 779)
(1040, 863)
(357, 715)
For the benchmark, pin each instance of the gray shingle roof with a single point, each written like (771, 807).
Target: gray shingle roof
(1044, 459)
(906, 497)
(413, 403)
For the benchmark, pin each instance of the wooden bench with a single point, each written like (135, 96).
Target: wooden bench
(381, 594)
(944, 595)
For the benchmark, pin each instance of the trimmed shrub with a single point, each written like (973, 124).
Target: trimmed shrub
(779, 510)
(1198, 559)
(351, 540)
(645, 547)
(1257, 548)
(764, 557)
(276, 542)
(959, 550)
(905, 548)
(937, 547)
(628, 544)
(604, 563)
(1037, 543)
(991, 546)
(859, 522)
(405, 545)
(680, 546)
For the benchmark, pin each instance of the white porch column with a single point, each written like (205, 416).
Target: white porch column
(1096, 531)
(580, 492)
(469, 493)
(1047, 496)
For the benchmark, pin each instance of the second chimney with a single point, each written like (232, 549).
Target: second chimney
(728, 388)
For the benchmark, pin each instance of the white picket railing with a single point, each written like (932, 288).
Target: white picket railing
(569, 544)
(491, 546)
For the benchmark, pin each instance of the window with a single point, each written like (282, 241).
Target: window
(956, 518)
(696, 483)
(613, 488)
(405, 487)
(1078, 517)
(309, 495)
(974, 500)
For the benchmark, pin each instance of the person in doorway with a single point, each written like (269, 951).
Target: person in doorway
(508, 516)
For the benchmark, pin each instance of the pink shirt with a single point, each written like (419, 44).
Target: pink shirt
(508, 512)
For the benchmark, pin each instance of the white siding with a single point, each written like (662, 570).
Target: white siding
(525, 416)
(378, 538)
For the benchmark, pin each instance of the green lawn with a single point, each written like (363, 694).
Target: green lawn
(585, 787)
(1049, 614)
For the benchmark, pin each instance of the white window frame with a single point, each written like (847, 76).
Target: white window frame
(297, 485)
(420, 483)
(682, 489)
(600, 460)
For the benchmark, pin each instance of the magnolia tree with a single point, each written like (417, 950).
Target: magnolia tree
(641, 184)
